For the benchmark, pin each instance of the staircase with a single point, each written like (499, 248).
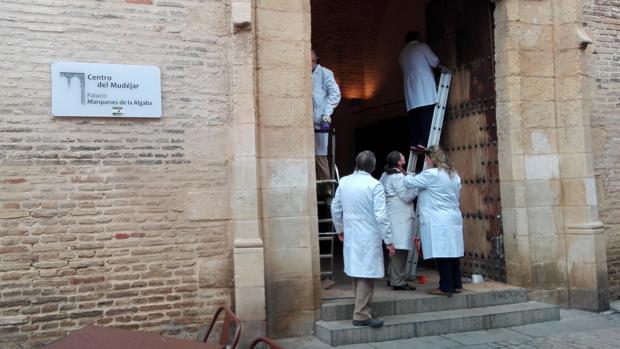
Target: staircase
(417, 315)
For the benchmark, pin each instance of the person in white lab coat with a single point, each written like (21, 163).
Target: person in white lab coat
(417, 61)
(325, 98)
(441, 221)
(360, 218)
(399, 203)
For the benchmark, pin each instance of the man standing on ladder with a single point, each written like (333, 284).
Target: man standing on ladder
(417, 61)
(325, 98)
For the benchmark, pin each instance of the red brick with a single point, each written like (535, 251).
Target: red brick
(13, 249)
(121, 236)
(13, 180)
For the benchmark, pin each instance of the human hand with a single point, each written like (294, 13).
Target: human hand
(444, 69)
(417, 245)
(326, 118)
(391, 250)
(341, 236)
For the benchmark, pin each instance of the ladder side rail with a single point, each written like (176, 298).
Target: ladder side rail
(443, 103)
(440, 109)
(441, 106)
(413, 158)
(436, 110)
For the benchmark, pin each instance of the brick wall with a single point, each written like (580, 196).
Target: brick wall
(602, 19)
(113, 222)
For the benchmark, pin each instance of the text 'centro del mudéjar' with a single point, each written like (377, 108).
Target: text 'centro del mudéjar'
(105, 81)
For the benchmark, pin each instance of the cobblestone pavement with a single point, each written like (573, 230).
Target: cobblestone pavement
(576, 330)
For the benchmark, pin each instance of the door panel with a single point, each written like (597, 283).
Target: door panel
(461, 33)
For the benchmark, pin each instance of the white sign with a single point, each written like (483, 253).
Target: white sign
(106, 90)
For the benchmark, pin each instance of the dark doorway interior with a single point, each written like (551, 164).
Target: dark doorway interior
(382, 138)
(360, 40)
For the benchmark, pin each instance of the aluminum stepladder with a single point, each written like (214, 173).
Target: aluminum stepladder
(433, 139)
(326, 237)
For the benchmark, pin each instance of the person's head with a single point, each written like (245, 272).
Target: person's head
(436, 157)
(394, 162)
(365, 161)
(315, 59)
(412, 36)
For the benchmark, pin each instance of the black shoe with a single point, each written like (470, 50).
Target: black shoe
(404, 287)
(374, 323)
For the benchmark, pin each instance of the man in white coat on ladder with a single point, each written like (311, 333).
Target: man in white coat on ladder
(417, 61)
(361, 220)
(325, 98)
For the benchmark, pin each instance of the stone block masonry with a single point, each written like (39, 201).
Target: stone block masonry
(602, 18)
(120, 223)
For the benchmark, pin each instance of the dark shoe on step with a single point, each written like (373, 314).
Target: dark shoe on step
(374, 323)
(458, 290)
(404, 287)
(438, 292)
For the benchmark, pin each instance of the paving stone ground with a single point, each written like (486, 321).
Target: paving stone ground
(575, 330)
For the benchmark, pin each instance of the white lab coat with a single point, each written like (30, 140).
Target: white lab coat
(441, 222)
(358, 210)
(417, 60)
(399, 205)
(325, 98)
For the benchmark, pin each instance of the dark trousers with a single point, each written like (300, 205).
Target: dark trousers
(420, 121)
(449, 274)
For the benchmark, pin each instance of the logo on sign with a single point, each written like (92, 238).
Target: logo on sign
(80, 76)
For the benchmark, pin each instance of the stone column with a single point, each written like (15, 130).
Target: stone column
(586, 255)
(553, 238)
(286, 157)
(245, 202)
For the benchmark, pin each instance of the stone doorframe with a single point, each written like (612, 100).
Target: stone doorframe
(273, 200)
(554, 242)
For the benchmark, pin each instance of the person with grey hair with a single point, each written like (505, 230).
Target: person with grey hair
(360, 218)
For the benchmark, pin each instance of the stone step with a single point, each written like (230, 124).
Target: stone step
(435, 323)
(414, 302)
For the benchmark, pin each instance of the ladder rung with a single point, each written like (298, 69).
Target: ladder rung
(326, 181)
(325, 220)
(326, 256)
(326, 238)
(327, 272)
(328, 233)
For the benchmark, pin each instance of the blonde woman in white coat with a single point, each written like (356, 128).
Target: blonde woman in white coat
(441, 221)
(399, 205)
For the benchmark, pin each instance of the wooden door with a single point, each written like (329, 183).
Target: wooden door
(460, 32)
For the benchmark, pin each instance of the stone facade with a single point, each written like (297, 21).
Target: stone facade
(286, 154)
(554, 240)
(602, 20)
